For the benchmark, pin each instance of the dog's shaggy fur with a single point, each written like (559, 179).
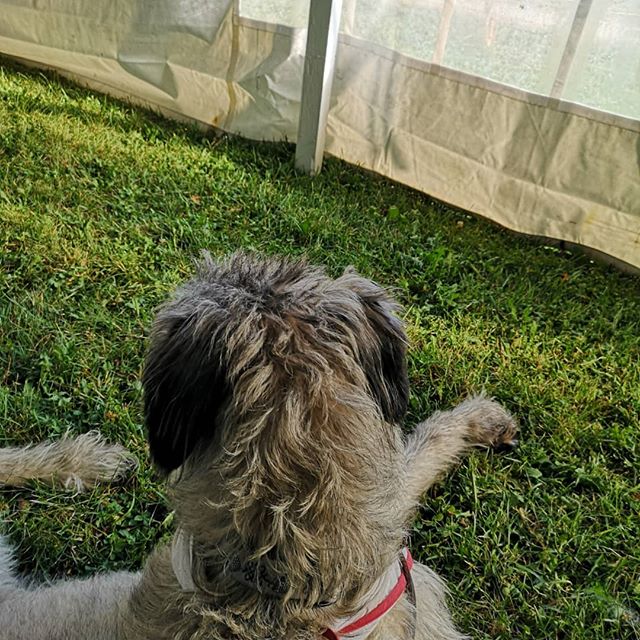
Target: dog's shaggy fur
(273, 399)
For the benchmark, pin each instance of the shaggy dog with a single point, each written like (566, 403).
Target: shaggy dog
(273, 400)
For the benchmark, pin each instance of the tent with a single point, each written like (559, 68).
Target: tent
(526, 112)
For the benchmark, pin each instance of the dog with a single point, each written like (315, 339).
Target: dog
(273, 400)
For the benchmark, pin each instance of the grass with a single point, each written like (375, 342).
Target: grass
(102, 209)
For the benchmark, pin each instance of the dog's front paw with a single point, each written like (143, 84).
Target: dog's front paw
(88, 459)
(489, 424)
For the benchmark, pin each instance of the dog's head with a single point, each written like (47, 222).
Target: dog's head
(278, 390)
(248, 312)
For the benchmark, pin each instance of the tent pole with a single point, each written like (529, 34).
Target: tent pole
(570, 48)
(319, 65)
(443, 31)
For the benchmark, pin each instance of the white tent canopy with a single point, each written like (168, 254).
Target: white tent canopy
(526, 112)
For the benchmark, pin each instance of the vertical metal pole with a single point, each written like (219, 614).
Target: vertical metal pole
(443, 31)
(319, 65)
(349, 10)
(579, 20)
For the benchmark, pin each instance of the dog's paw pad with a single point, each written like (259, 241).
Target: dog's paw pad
(506, 442)
(506, 446)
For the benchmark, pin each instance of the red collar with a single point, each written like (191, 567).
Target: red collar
(403, 585)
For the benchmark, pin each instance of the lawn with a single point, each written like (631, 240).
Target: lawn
(103, 208)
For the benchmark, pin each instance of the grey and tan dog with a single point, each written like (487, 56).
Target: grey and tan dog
(273, 401)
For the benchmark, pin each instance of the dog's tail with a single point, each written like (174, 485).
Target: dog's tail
(73, 462)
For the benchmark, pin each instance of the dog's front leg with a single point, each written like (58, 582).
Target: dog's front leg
(74, 462)
(437, 443)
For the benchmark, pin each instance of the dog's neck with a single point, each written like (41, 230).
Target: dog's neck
(375, 604)
(247, 572)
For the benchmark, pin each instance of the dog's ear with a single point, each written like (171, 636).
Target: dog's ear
(384, 363)
(184, 388)
(386, 367)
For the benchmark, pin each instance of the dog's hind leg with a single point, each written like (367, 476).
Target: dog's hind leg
(73, 462)
(438, 442)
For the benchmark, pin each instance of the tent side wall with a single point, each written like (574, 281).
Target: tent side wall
(530, 163)
(416, 110)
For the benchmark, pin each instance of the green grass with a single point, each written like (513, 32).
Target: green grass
(102, 209)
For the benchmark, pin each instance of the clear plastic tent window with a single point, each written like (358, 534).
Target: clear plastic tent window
(524, 111)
